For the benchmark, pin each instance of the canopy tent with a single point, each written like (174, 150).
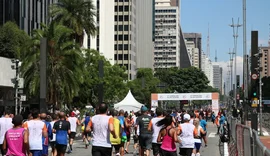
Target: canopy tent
(129, 103)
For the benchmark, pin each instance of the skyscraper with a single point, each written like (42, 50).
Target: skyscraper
(197, 39)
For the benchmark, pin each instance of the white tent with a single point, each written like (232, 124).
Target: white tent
(129, 103)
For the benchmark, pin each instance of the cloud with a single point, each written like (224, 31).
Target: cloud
(226, 69)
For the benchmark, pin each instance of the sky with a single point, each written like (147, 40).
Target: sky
(195, 16)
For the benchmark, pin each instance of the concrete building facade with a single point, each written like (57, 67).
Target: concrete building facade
(265, 60)
(217, 77)
(207, 68)
(167, 35)
(144, 34)
(197, 39)
(193, 53)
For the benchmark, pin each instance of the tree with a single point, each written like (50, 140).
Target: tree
(77, 15)
(184, 80)
(64, 59)
(114, 79)
(11, 40)
(144, 85)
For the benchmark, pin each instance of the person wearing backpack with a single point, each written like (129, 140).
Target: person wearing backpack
(86, 135)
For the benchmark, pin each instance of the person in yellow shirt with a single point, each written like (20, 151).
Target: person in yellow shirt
(116, 142)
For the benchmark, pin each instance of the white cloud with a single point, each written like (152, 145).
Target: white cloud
(239, 69)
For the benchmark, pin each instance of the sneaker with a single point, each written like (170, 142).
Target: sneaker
(69, 151)
(117, 154)
(205, 145)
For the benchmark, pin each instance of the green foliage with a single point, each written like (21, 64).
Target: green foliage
(114, 76)
(64, 59)
(144, 85)
(12, 40)
(77, 15)
(184, 80)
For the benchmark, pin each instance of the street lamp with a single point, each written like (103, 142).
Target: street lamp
(15, 81)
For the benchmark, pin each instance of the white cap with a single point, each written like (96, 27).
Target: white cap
(186, 117)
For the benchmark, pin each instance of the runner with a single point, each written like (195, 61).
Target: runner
(5, 124)
(198, 138)
(127, 129)
(123, 131)
(203, 124)
(73, 120)
(53, 138)
(61, 128)
(116, 142)
(37, 129)
(145, 138)
(16, 139)
(102, 126)
(86, 135)
(155, 129)
(45, 140)
(168, 136)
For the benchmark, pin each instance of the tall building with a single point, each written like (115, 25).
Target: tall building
(197, 39)
(167, 34)
(207, 68)
(193, 53)
(217, 77)
(116, 38)
(27, 14)
(265, 60)
(144, 33)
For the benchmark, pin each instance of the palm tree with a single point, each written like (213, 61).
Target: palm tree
(77, 15)
(64, 59)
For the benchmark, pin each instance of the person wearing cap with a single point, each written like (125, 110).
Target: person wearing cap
(145, 138)
(16, 140)
(73, 120)
(187, 133)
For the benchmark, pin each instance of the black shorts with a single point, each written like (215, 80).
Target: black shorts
(156, 149)
(136, 139)
(72, 135)
(61, 148)
(52, 144)
(86, 134)
(128, 138)
(145, 141)
(203, 135)
(101, 151)
(116, 148)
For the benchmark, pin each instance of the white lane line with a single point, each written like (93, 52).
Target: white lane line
(265, 133)
(226, 150)
(212, 135)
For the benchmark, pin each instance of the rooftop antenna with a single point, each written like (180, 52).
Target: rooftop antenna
(208, 43)
(216, 56)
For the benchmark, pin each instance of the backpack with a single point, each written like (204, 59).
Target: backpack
(224, 133)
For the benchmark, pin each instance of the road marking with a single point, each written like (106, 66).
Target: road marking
(212, 135)
(265, 133)
(226, 150)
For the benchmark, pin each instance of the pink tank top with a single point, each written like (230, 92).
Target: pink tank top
(15, 143)
(168, 143)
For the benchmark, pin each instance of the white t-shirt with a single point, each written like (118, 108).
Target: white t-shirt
(73, 123)
(35, 128)
(155, 129)
(54, 135)
(77, 112)
(5, 124)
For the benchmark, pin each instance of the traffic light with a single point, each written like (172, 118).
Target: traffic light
(238, 81)
(255, 94)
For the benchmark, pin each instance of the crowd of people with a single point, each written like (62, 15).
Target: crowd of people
(158, 132)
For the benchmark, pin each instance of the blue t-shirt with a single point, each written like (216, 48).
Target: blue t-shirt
(62, 127)
(45, 140)
(203, 124)
(86, 121)
(122, 123)
(222, 120)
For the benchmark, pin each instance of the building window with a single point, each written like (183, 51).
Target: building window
(120, 18)
(126, 65)
(116, 8)
(115, 37)
(120, 37)
(120, 8)
(126, 8)
(115, 28)
(126, 27)
(115, 56)
(115, 18)
(126, 37)
(125, 46)
(126, 18)
(120, 47)
(120, 27)
(125, 56)
(115, 47)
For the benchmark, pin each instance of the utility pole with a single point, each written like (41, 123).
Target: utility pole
(15, 81)
(235, 36)
(216, 56)
(245, 63)
(231, 65)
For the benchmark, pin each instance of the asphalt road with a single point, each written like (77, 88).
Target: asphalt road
(211, 150)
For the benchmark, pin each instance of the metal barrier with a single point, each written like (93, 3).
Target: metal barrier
(245, 141)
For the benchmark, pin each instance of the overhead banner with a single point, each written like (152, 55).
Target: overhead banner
(184, 96)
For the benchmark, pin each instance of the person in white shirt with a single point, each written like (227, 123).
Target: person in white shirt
(53, 139)
(155, 129)
(73, 120)
(77, 112)
(37, 129)
(5, 124)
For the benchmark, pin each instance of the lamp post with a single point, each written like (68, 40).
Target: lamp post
(15, 81)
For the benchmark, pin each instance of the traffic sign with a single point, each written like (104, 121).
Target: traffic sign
(254, 102)
(23, 97)
(238, 96)
(254, 76)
